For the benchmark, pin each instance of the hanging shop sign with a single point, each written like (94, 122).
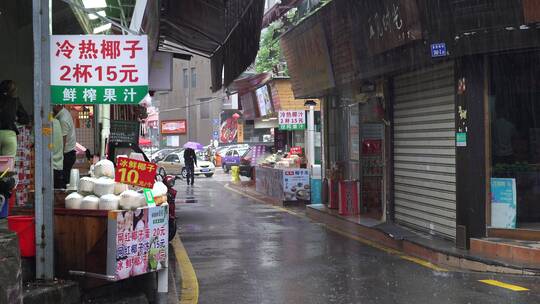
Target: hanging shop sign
(161, 72)
(98, 69)
(174, 126)
(137, 241)
(388, 24)
(292, 120)
(531, 11)
(124, 131)
(303, 46)
(135, 172)
(503, 203)
(240, 133)
(264, 101)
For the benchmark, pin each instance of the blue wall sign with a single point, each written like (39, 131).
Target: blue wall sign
(438, 50)
(215, 135)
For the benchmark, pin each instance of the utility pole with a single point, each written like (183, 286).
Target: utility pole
(43, 203)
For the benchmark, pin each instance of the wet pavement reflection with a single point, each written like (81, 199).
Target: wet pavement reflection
(245, 252)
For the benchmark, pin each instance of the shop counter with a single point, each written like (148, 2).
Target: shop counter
(287, 185)
(110, 245)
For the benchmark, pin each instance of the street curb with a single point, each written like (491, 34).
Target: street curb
(412, 248)
(189, 293)
(406, 249)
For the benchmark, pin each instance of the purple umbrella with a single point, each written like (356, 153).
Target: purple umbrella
(193, 145)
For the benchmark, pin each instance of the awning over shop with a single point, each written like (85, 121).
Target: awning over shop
(250, 83)
(227, 32)
(278, 10)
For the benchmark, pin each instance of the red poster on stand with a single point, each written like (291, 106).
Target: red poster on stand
(296, 150)
(135, 172)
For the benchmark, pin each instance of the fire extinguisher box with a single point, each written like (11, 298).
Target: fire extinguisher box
(348, 198)
(333, 194)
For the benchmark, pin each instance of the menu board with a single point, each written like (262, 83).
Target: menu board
(124, 131)
(296, 184)
(137, 241)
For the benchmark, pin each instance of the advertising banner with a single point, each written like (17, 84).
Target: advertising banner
(135, 172)
(296, 184)
(98, 69)
(228, 129)
(503, 202)
(174, 126)
(264, 102)
(292, 120)
(137, 241)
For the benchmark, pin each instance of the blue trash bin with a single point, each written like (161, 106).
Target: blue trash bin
(316, 191)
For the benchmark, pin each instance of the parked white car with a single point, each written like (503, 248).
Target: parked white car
(174, 164)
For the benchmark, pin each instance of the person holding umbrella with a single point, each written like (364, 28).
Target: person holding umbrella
(190, 161)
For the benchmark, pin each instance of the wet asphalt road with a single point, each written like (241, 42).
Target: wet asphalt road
(247, 252)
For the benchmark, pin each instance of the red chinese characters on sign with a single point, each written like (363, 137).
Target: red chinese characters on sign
(87, 49)
(132, 47)
(110, 49)
(135, 172)
(296, 150)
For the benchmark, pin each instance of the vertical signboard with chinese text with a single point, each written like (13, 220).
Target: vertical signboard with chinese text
(98, 69)
(137, 241)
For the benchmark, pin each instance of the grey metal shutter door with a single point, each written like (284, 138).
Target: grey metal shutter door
(424, 151)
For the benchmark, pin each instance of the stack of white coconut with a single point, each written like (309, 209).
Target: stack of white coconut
(101, 192)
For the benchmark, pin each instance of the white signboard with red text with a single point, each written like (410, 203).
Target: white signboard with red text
(292, 120)
(99, 69)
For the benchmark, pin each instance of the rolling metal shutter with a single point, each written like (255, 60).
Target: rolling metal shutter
(424, 150)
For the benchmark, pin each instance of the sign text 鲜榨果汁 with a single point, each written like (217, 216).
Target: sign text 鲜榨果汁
(135, 172)
(98, 69)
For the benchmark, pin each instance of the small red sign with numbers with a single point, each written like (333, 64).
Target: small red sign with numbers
(135, 172)
(296, 150)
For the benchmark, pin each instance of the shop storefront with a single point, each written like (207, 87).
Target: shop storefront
(102, 79)
(438, 130)
(514, 149)
(424, 150)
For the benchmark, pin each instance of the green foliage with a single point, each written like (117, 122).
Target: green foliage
(270, 55)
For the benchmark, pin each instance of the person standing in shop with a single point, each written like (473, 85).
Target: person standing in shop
(190, 161)
(58, 155)
(68, 137)
(11, 112)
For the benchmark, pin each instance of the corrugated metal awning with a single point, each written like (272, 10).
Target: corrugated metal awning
(226, 31)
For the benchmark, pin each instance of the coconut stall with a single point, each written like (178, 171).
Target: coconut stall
(113, 223)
